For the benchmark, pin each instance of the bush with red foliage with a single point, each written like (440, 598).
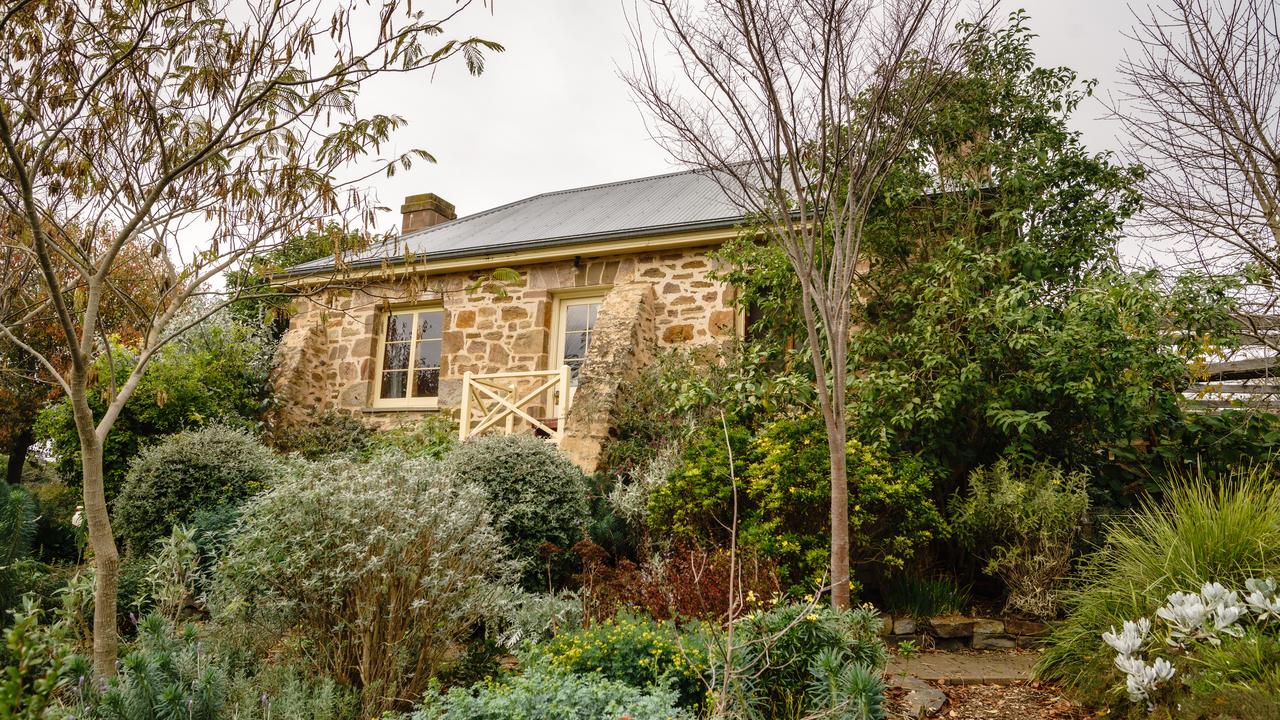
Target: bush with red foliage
(685, 583)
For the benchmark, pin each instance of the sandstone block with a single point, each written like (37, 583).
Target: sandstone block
(904, 626)
(677, 334)
(464, 319)
(993, 641)
(951, 626)
(988, 626)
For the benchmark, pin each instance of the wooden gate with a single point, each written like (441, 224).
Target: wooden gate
(510, 401)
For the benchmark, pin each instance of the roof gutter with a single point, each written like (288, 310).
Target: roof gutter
(494, 255)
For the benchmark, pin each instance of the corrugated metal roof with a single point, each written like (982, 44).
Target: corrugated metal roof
(645, 206)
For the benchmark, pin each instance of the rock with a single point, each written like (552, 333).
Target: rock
(922, 700)
(1014, 626)
(951, 626)
(988, 626)
(886, 626)
(993, 641)
(904, 626)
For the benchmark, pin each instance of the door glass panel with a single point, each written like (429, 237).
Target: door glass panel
(579, 325)
(577, 318)
(575, 346)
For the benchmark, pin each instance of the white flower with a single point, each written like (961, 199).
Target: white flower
(1185, 613)
(1131, 638)
(1263, 598)
(1142, 680)
(1215, 594)
(77, 518)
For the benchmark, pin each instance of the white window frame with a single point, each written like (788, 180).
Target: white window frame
(563, 300)
(408, 401)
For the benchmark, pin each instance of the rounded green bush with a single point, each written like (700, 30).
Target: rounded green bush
(537, 495)
(189, 471)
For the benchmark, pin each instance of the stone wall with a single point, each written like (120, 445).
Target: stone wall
(488, 327)
(623, 343)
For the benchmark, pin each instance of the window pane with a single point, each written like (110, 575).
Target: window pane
(399, 327)
(393, 384)
(430, 324)
(577, 318)
(428, 354)
(595, 310)
(426, 383)
(396, 356)
(575, 346)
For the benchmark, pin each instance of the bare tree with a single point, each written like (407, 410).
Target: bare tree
(205, 130)
(800, 108)
(1201, 106)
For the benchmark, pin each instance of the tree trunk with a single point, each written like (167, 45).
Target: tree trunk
(836, 439)
(19, 446)
(106, 558)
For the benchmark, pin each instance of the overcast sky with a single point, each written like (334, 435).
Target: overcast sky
(551, 112)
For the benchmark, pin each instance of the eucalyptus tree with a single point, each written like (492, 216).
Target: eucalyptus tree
(208, 131)
(800, 108)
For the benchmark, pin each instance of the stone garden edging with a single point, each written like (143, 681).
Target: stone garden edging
(954, 632)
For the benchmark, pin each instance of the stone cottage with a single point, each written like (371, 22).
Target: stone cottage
(525, 317)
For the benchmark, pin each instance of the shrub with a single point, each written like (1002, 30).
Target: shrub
(331, 434)
(381, 568)
(696, 502)
(431, 437)
(17, 528)
(540, 694)
(891, 509)
(190, 471)
(684, 582)
(38, 659)
(165, 676)
(1198, 532)
(1024, 521)
(1205, 648)
(796, 660)
(638, 651)
(538, 495)
(56, 538)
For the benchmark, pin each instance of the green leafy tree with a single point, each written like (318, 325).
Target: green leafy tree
(207, 137)
(268, 304)
(997, 320)
(216, 372)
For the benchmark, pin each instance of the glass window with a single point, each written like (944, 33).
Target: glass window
(412, 346)
(577, 323)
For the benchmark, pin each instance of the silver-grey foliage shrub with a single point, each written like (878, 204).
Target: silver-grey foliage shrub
(380, 568)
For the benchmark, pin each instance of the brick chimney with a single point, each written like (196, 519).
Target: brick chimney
(423, 211)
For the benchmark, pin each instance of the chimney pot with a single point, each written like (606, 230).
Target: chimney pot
(423, 211)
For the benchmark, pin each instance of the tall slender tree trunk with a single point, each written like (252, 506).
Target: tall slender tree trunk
(836, 439)
(19, 447)
(106, 558)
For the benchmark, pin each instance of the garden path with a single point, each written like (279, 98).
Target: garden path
(974, 685)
